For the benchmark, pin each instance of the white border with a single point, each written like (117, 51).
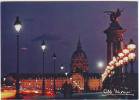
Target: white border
(67, 0)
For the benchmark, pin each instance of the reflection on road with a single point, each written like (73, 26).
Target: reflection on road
(8, 92)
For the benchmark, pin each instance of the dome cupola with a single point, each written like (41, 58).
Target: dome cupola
(79, 61)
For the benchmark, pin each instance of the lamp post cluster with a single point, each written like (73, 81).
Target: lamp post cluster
(125, 56)
(18, 27)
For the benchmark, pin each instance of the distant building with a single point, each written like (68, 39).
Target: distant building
(79, 61)
(79, 77)
(34, 81)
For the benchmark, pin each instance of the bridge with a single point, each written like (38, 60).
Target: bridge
(124, 57)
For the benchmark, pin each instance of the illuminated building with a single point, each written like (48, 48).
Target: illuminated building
(34, 81)
(79, 60)
(79, 76)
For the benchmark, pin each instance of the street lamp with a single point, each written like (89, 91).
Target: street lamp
(62, 71)
(117, 64)
(71, 80)
(54, 58)
(121, 62)
(100, 64)
(17, 26)
(131, 58)
(131, 46)
(66, 73)
(43, 47)
(4, 79)
(120, 54)
(62, 67)
(125, 51)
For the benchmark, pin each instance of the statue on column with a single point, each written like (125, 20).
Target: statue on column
(114, 15)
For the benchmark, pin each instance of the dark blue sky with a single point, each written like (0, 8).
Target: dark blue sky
(62, 23)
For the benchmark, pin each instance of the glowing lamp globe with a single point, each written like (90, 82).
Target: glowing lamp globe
(109, 75)
(113, 72)
(107, 71)
(100, 64)
(108, 67)
(62, 67)
(120, 54)
(17, 25)
(131, 46)
(131, 56)
(121, 62)
(66, 73)
(111, 63)
(43, 46)
(117, 64)
(125, 51)
(125, 59)
(114, 59)
(112, 67)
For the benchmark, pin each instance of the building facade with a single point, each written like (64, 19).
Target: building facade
(79, 77)
(79, 61)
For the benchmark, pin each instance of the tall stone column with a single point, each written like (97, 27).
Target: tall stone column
(118, 40)
(114, 48)
(114, 34)
(109, 51)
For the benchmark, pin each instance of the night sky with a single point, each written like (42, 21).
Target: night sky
(61, 23)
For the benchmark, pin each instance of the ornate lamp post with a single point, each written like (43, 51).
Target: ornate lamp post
(18, 27)
(131, 57)
(54, 58)
(43, 47)
(131, 46)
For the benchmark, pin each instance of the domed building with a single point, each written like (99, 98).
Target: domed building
(79, 61)
(80, 78)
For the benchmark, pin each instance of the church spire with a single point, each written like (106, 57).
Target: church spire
(79, 44)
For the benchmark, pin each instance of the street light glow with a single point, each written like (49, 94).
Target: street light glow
(100, 64)
(18, 27)
(61, 67)
(17, 24)
(43, 45)
(66, 73)
(120, 54)
(131, 56)
(4, 79)
(131, 46)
